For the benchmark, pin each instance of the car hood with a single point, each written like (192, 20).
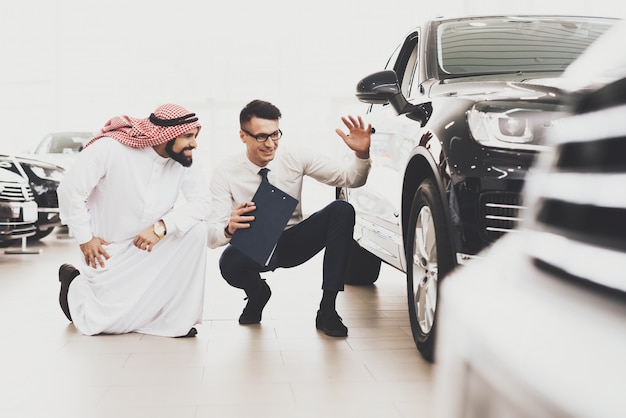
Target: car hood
(63, 161)
(542, 89)
(38, 162)
(9, 176)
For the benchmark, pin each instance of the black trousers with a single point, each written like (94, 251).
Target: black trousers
(331, 228)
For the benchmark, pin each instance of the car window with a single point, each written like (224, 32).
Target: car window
(391, 63)
(393, 58)
(44, 145)
(406, 62)
(63, 143)
(513, 45)
(412, 76)
(66, 144)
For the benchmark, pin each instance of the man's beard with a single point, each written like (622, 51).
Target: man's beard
(178, 156)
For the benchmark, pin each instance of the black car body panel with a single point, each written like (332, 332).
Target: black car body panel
(44, 179)
(18, 210)
(475, 178)
(463, 104)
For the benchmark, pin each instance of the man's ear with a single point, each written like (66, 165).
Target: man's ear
(242, 135)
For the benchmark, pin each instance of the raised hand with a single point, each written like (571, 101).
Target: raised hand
(359, 137)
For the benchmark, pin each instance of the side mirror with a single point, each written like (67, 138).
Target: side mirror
(378, 88)
(383, 87)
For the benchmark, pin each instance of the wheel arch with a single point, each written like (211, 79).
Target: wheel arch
(421, 166)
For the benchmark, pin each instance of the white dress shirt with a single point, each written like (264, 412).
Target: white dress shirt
(236, 179)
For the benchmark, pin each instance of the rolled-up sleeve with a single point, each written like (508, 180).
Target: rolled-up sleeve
(349, 172)
(221, 207)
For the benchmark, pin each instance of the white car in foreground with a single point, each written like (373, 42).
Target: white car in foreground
(536, 327)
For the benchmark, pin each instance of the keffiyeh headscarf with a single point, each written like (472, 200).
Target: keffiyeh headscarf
(166, 123)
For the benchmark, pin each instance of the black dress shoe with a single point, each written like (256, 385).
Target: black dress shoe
(192, 333)
(330, 322)
(67, 273)
(254, 308)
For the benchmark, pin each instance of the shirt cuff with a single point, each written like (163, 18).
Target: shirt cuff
(82, 235)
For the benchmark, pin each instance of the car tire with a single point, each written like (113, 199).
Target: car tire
(363, 266)
(429, 259)
(41, 233)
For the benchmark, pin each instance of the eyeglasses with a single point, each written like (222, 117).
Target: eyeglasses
(274, 136)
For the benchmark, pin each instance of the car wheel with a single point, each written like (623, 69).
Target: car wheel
(363, 266)
(41, 233)
(429, 259)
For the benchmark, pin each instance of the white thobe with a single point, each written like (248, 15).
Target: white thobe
(113, 192)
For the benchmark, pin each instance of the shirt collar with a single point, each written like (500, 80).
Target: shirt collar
(253, 168)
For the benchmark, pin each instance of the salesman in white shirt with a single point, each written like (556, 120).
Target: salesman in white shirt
(144, 252)
(234, 183)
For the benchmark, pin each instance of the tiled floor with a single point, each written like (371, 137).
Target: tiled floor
(281, 368)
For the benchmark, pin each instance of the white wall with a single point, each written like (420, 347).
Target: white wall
(73, 64)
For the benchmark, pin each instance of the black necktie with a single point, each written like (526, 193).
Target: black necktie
(263, 173)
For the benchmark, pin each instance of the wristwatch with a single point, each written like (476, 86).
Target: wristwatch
(159, 229)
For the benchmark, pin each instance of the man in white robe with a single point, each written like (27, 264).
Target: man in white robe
(137, 207)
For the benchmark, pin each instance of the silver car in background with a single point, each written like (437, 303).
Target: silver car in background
(61, 148)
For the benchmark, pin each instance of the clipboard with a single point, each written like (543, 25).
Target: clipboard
(274, 207)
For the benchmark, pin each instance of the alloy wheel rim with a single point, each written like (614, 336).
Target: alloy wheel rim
(425, 270)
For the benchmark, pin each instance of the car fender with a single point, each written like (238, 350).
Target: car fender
(421, 165)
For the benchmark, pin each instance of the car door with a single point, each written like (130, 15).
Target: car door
(377, 204)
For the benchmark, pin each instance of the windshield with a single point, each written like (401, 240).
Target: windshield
(63, 143)
(513, 44)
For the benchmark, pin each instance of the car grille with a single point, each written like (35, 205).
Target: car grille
(499, 213)
(17, 193)
(578, 220)
(48, 199)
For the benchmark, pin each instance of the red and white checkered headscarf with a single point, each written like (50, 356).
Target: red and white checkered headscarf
(167, 122)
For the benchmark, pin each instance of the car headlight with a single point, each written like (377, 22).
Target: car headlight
(516, 128)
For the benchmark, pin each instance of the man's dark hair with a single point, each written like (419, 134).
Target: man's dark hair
(259, 108)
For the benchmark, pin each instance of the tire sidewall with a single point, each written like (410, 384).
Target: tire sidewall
(427, 195)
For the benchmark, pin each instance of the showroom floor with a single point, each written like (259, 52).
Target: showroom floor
(283, 367)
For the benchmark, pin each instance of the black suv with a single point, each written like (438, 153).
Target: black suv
(18, 210)
(459, 114)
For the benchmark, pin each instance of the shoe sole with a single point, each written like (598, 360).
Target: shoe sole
(192, 333)
(331, 333)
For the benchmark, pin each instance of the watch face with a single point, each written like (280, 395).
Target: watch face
(159, 229)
